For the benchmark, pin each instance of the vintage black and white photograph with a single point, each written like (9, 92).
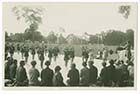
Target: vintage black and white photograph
(71, 44)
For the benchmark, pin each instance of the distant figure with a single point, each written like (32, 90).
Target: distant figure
(105, 54)
(33, 75)
(128, 50)
(33, 53)
(22, 50)
(55, 52)
(85, 54)
(21, 75)
(41, 58)
(73, 75)
(13, 70)
(58, 78)
(12, 50)
(84, 75)
(18, 48)
(72, 54)
(47, 75)
(66, 56)
(45, 49)
(93, 73)
(50, 54)
(104, 75)
(26, 54)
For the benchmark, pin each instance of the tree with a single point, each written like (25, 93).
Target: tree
(125, 10)
(51, 38)
(61, 39)
(32, 16)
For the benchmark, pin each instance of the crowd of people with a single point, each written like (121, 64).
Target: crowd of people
(114, 73)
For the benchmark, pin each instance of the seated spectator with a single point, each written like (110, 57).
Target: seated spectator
(73, 75)
(58, 78)
(33, 75)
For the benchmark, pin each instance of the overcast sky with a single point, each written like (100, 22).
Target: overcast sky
(75, 18)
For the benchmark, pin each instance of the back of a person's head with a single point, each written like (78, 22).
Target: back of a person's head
(111, 62)
(33, 63)
(47, 63)
(22, 63)
(90, 63)
(57, 68)
(15, 61)
(73, 65)
(84, 64)
(104, 63)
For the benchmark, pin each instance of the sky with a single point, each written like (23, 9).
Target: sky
(75, 18)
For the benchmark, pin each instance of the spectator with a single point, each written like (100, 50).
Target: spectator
(47, 75)
(57, 78)
(111, 73)
(93, 73)
(13, 69)
(21, 76)
(73, 75)
(103, 74)
(33, 75)
(84, 74)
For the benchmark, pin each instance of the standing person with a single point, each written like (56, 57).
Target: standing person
(12, 50)
(85, 54)
(58, 78)
(105, 54)
(21, 75)
(46, 49)
(50, 53)
(72, 54)
(26, 54)
(41, 58)
(47, 75)
(128, 50)
(33, 75)
(93, 73)
(18, 48)
(13, 69)
(33, 53)
(22, 51)
(73, 75)
(55, 52)
(66, 56)
(84, 75)
(104, 75)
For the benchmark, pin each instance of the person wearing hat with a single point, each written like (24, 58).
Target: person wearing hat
(21, 75)
(93, 73)
(84, 75)
(103, 74)
(73, 75)
(58, 78)
(33, 75)
(47, 75)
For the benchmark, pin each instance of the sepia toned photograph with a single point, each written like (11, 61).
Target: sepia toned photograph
(69, 45)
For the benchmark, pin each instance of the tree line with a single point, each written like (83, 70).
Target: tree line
(110, 37)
